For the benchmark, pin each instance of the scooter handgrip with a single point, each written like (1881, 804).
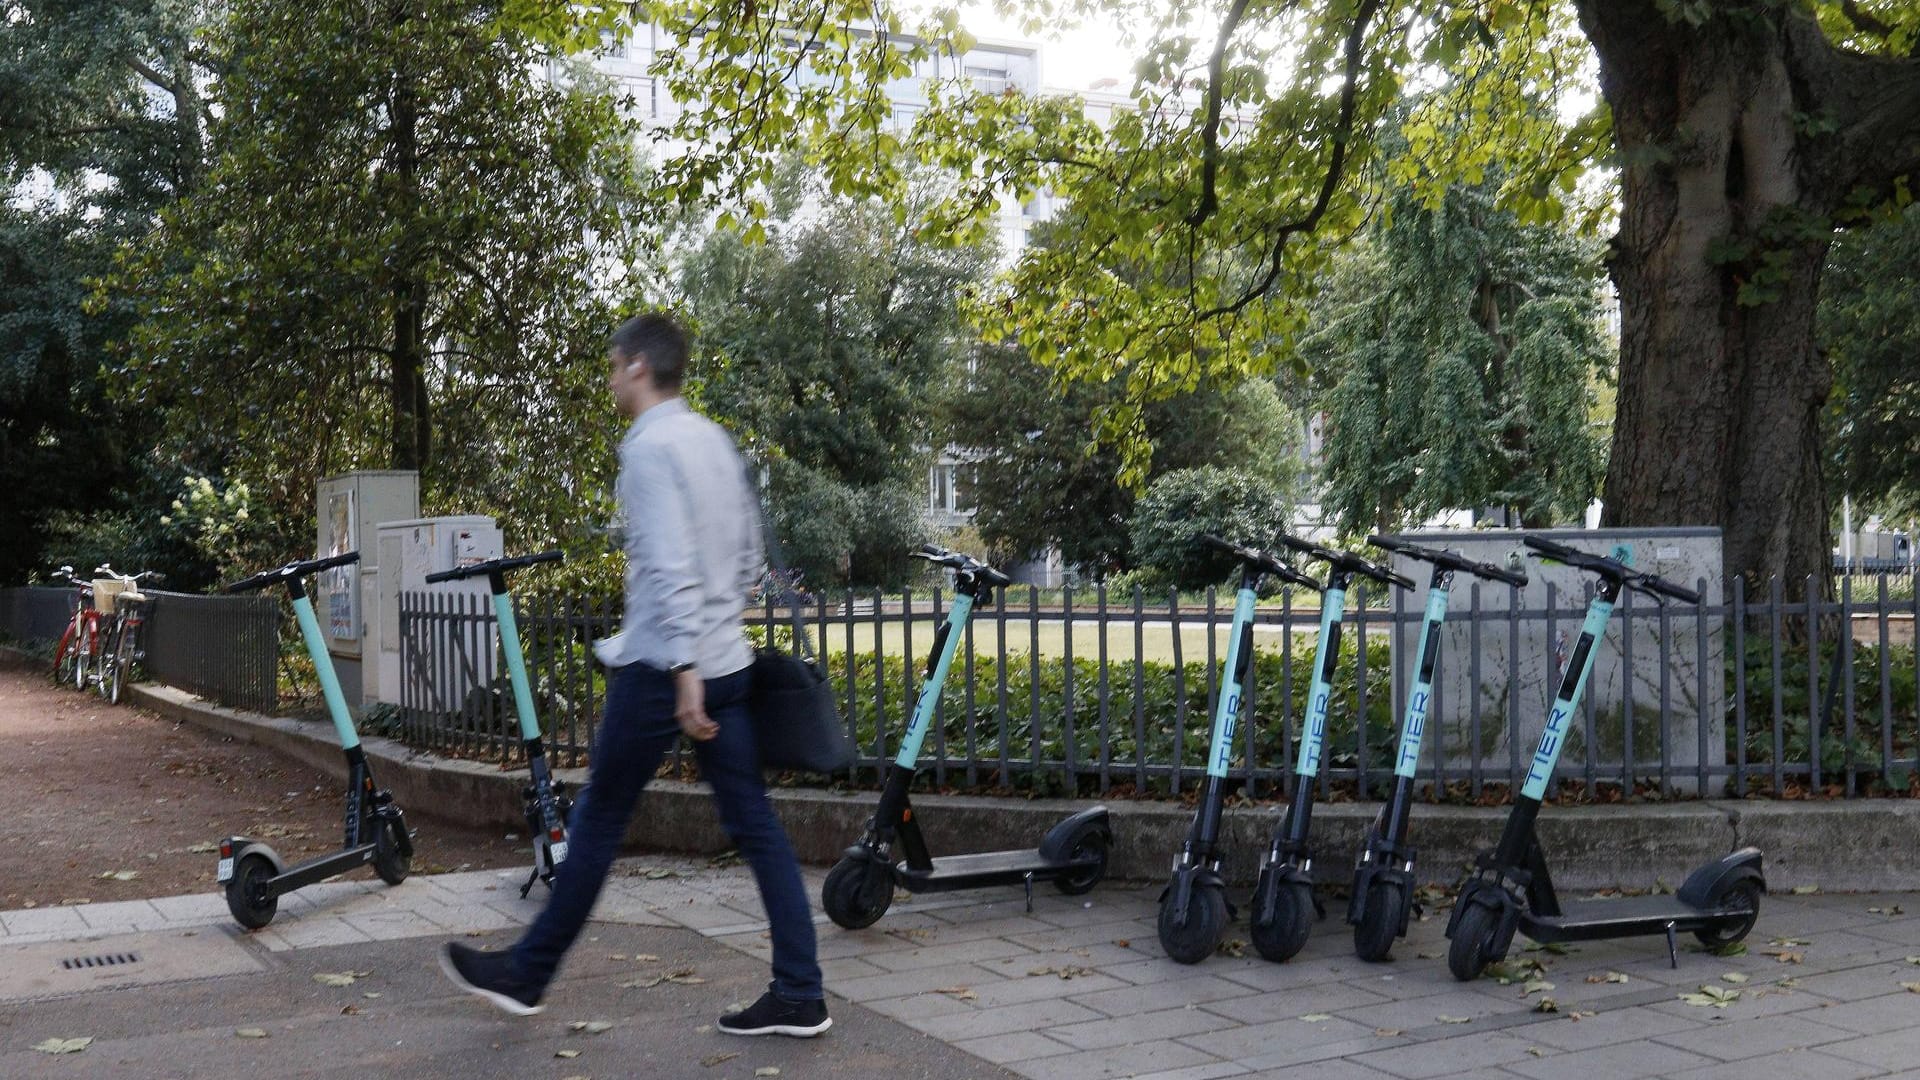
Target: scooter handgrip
(455, 574)
(1667, 588)
(1498, 573)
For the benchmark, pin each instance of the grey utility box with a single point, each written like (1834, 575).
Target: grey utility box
(1499, 669)
(349, 509)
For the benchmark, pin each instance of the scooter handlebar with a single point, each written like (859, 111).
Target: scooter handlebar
(1613, 569)
(293, 571)
(962, 563)
(1450, 560)
(492, 566)
(1264, 561)
(1348, 561)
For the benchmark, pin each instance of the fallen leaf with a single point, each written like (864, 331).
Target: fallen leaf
(1609, 977)
(371, 994)
(1431, 955)
(251, 1033)
(1577, 1015)
(1782, 956)
(566, 1054)
(1789, 942)
(340, 978)
(1315, 1018)
(120, 875)
(1535, 986)
(1546, 1005)
(1386, 1033)
(591, 1027)
(960, 993)
(617, 956)
(1734, 977)
(1805, 890)
(1711, 997)
(1063, 972)
(716, 1059)
(349, 1010)
(1911, 987)
(1913, 959)
(1122, 942)
(1454, 1019)
(1735, 948)
(1894, 910)
(767, 1070)
(63, 1046)
(205, 847)
(1231, 947)
(646, 958)
(1536, 1051)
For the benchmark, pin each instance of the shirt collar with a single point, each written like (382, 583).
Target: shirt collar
(657, 412)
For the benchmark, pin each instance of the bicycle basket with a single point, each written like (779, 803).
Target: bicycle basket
(104, 590)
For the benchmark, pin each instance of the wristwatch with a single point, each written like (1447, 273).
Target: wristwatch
(680, 667)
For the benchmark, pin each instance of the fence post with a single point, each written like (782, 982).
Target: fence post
(1816, 721)
(1069, 734)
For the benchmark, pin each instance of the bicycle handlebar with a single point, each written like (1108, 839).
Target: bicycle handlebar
(293, 571)
(962, 564)
(1614, 569)
(1346, 560)
(1451, 560)
(1264, 561)
(494, 566)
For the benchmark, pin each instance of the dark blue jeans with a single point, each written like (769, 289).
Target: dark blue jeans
(635, 735)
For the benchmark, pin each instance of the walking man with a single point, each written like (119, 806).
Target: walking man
(679, 666)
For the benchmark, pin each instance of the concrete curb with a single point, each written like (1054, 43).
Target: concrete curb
(1863, 844)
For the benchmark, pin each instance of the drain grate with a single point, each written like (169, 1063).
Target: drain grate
(77, 963)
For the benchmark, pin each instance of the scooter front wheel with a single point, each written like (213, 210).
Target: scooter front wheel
(1386, 910)
(390, 859)
(857, 893)
(1472, 947)
(1281, 938)
(247, 895)
(1195, 939)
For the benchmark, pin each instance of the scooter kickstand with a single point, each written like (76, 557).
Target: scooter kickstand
(528, 887)
(1029, 883)
(1673, 953)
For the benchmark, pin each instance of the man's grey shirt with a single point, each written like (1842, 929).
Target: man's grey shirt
(693, 544)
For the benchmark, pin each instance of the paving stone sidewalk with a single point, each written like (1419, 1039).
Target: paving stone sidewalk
(1078, 988)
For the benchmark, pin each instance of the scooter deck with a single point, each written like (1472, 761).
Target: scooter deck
(321, 868)
(985, 868)
(1628, 916)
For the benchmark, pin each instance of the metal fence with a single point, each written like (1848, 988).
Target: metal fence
(35, 613)
(223, 648)
(1096, 694)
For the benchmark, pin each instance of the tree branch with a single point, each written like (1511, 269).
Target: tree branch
(1336, 168)
(1876, 100)
(1210, 134)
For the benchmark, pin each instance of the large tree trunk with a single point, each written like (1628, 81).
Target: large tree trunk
(408, 389)
(1728, 203)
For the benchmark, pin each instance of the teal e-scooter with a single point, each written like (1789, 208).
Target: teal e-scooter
(544, 801)
(253, 874)
(1193, 907)
(1283, 902)
(1512, 890)
(1383, 880)
(859, 888)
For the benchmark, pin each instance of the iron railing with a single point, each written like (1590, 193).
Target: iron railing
(224, 648)
(35, 614)
(1096, 694)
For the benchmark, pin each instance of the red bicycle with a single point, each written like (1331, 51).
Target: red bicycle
(81, 641)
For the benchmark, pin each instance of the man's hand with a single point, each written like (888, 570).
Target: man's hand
(690, 706)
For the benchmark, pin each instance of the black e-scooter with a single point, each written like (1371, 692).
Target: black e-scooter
(1383, 880)
(1193, 907)
(859, 889)
(1284, 906)
(254, 875)
(544, 802)
(1511, 888)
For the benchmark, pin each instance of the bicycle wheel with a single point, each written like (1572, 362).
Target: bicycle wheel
(107, 678)
(122, 671)
(65, 656)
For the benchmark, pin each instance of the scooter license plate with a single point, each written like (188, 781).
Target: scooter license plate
(226, 870)
(557, 854)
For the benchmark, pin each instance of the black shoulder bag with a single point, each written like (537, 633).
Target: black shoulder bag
(796, 724)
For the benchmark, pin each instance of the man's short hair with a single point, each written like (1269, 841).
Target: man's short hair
(658, 338)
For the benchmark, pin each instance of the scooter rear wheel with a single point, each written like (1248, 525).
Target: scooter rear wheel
(1092, 841)
(1742, 891)
(1282, 938)
(390, 861)
(1206, 922)
(857, 893)
(1374, 934)
(1472, 946)
(246, 897)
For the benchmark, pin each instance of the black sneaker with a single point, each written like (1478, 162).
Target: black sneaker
(777, 1016)
(484, 974)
